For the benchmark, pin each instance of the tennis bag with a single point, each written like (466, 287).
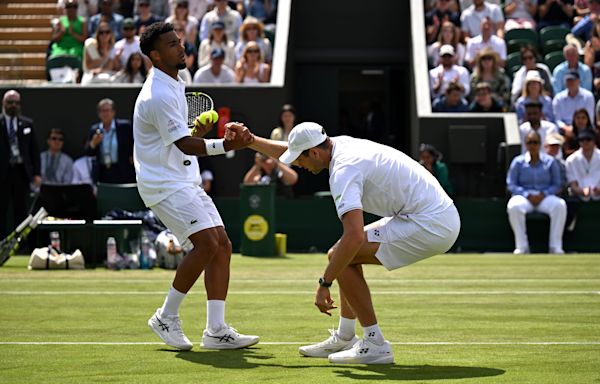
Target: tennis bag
(48, 258)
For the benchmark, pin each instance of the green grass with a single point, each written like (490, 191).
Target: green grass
(453, 318)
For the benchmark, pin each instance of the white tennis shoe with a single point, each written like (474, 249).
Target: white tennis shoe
(364, 352)
(227, 338)
(332, 344)
(168, 328)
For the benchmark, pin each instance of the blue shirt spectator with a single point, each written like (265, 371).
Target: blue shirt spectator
(571, 99)
(524, 177)
(571, 64)
(583, 29)
(106, 14)
(451, 101)
(546, 102)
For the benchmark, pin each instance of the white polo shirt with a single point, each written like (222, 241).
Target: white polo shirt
(586, 173)
(160, 119)
(381, 180)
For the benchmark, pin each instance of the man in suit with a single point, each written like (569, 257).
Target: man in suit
(19, 160)
(111, 142)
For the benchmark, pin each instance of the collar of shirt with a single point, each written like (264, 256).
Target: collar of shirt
(171, 82)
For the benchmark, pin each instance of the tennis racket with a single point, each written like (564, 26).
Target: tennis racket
(197, 102)
(10, 245)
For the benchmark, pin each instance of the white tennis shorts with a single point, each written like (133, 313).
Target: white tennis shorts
(188, 211)
(406, 239)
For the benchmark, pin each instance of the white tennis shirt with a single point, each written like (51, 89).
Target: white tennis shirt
(160, 119)
(381, 180)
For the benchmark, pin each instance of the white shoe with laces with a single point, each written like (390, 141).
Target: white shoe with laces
(364, 352)
(168, 328)
(227, 338)
(332, 344)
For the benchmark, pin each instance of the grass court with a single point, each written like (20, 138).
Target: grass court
(451, 319)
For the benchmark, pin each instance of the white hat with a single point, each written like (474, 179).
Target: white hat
(533, 75)
(446, 49)
(302, 137)
(554, 138)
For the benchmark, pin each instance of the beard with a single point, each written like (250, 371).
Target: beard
(180, 66)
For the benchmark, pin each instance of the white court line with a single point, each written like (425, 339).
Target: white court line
(310, 342)
(292, 281)
(276, 292)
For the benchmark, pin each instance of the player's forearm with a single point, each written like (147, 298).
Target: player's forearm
(343, 254)
(192, 146)
(268, 147)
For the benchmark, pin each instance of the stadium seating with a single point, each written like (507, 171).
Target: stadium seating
(524, 35)
(61, 61)
(553, 59)
(552, 33)
(513, 63)
(123, 196)
(25, 32)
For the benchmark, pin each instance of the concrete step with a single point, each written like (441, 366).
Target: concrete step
(24, 46)
(7, 83)
(13, 21)
(22, 72)
(34, 1)
(26, 33)
(29, 8)
(22, 59)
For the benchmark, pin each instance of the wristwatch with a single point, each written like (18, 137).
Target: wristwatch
(324, 283)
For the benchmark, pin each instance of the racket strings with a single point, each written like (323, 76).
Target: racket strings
(196, 105)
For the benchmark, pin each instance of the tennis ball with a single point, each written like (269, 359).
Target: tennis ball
(214, 115)
(205, 117)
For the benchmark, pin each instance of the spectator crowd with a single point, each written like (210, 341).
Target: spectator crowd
(225, 41)
(541, 60)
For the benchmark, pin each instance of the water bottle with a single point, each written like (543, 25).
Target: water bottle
(55, 240)
(111, 253)
(145, 253)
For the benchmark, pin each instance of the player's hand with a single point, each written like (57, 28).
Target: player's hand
(241, 137)
(232, 128)
(323, 300)
(200, 130)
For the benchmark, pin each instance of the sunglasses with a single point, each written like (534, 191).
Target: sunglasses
(144, 5)
(486, 58)
(15, 102)
(253, 51)
(128, 28)
(527, 58)
(586, 139)
(532, 142)
(104, 32)
(56, 138)
(71, 6)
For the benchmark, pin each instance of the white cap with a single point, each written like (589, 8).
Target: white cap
(446, 49)
(302, 137)
(533, 75)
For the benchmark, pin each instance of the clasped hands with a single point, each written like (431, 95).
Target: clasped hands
(238, 135)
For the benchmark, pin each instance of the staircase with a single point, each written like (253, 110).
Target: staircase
(25, 32)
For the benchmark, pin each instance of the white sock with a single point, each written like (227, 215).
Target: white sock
(347, 328)
(373, 334)
(215, 315)
(172, 302)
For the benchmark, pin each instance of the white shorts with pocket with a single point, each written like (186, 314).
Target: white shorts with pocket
(188, 211)
(406, 239)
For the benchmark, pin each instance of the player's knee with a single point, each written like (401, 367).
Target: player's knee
(226, 247)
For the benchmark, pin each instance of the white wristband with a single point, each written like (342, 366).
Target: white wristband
(215, 147)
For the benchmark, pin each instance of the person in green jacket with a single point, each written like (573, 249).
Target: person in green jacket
(69, 32)
(431, 158)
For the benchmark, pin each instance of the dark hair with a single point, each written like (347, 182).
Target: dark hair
(57, 131)
(589, 121)
(529, 48)
(129, 68)
(286, 108)
(453, 86)
(152, 34)
(431, 150)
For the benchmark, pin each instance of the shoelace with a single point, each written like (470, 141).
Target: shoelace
(176, 324)
(330, 340)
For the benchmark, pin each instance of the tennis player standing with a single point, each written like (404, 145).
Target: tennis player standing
(419, 220)
(169, 183)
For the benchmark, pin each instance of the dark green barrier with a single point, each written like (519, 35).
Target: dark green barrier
(257, 207)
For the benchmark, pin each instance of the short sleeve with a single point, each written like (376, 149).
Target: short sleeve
(169, 121)
(347, 189)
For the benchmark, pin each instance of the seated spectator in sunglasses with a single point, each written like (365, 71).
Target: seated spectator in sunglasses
(56, 166)
(99, 56)
(69, 32)
(250, 68)
(534, 180)
(484, 101)
(106, 15)
(254, 30)
(583, 167)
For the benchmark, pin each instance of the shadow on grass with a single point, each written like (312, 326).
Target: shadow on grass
(255, 358)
